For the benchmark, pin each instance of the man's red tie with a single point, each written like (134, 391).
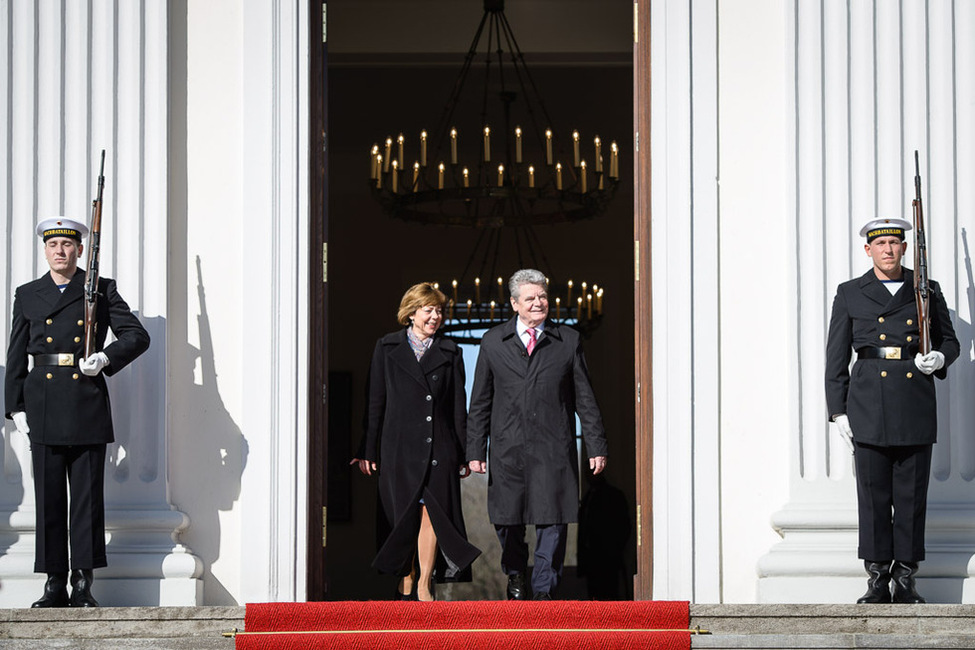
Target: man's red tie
(532, 339)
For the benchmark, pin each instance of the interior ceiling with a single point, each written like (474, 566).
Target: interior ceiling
(552, 30)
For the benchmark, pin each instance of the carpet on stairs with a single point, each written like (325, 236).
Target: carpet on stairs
(468, 625)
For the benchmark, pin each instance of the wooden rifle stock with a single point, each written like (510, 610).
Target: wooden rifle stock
(921, 285)
(91, 272)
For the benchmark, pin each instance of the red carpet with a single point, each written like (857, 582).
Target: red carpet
(471, 625)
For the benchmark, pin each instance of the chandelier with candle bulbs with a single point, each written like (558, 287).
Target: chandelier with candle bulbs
(496, 164)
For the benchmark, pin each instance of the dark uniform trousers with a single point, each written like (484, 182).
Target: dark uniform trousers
(80, 469)
(892, 478)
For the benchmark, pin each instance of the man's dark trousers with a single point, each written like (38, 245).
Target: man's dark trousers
(80, 468)
(549, 553)
(892, 478)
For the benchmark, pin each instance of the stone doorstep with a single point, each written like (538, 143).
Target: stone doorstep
(948, 620)
(119, 622)
(768, 626)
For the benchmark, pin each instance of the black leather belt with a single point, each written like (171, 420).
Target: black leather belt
(886, 353)
(63, 359)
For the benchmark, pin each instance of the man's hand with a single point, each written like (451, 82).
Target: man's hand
(597, 464)
(365, 466)
(93, 364)
(20, 421)
(478, 466)
(846, 431)
(930, 362)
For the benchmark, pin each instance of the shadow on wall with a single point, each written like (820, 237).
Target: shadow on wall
(955, 452)
(13, 461)
(212, 448)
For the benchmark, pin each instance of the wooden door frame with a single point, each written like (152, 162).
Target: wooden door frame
(317, 584)
(642, 302)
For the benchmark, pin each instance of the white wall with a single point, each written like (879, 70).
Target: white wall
(758, 259)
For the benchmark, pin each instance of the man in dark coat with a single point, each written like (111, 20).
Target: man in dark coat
(885, 407)
(530, 382)
(61, 403)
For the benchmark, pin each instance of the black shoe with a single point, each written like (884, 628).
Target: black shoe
(55, 591)
(902, 574)
(542, 595)
(878, 583)
(517, 587)
(81, 580)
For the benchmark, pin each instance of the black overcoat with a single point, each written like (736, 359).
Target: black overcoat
(416, 421)
(526, 405)
(64, 406)
(889, 402)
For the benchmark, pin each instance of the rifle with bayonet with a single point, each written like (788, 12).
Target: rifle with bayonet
(91, 272)
(922, 289)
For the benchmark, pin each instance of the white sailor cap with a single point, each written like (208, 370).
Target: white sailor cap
(61, 227)
(883, 227)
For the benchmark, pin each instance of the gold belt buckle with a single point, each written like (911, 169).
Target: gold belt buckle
(892, 353)
(66, 359)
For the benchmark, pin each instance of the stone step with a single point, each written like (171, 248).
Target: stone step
(727, 626)
(834, 626)
(120, 628)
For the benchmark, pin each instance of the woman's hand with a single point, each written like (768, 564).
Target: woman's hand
(365, 466)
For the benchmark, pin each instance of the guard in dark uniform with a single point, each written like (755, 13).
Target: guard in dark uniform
(61, 402)
(885, 406)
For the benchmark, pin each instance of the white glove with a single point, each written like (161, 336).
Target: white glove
(20, 421)
(93, 364)
(930, 362)
(846, 431)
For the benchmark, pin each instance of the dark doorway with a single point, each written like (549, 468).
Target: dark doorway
(372, 259)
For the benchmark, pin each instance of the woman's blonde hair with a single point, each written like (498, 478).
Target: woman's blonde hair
(417, 296)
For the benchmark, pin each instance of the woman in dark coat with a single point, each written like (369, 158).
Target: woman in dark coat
(416, 428)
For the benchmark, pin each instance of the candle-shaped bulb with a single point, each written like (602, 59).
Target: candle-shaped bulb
(477, 291)
(500, 175)
(468, 309)
(500, 290)
(558, 308)
(467, 177)
(394, 176)
(399, 149)
(389, 154)
(548, 146)
(517, 144)
(558, 176)
(423, 148)
(487, 143)
(582, 176)
(374, 162)
(379, 165)
(440, 177)
(453, 146)
(579, 307)
(614, 162)
(493, 305)
(598, 146)
(568, 298)
(575, 148)
(588, 305)
(531, 176)
(416, 176)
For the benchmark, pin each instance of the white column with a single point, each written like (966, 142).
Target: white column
(274, 489)
(82, 82)
(873, 82)
(686, 504)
